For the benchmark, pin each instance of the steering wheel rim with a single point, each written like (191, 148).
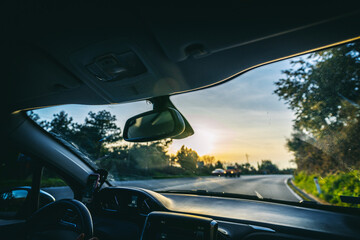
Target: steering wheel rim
(61, 219)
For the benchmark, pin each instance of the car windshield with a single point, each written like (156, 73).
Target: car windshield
(288, 130)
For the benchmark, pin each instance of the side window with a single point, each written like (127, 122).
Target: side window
(16, 171)
(16, 174)
(53, 184)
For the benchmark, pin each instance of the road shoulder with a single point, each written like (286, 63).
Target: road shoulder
(303, 194)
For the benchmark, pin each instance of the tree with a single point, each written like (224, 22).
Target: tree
(246, 168)
(219, 164)
(61, 124)
(149, 156)
(267, 167)
(172, 160)
(187, 158)
(35, 117)
(99, 137)
(323, 90)
(96, 133)
(208, 160)
(308, 157)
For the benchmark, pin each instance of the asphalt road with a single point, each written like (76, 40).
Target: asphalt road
(263, 186)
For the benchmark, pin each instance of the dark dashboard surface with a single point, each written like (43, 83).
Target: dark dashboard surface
(117, 210)
(268, 213)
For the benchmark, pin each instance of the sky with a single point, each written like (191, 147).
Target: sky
(242, 116)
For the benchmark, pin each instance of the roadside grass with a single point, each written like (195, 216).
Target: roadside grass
(332, 186)
(52, 182)
(299, 193)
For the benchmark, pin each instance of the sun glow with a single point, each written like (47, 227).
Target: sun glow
(203, 142)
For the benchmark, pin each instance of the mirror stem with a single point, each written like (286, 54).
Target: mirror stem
(161, 103)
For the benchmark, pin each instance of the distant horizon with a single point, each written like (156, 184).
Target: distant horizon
(239, 117)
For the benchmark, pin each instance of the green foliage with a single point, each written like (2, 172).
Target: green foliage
(99, 137)
(323, 90)
(219, 164)
(315, 90)
(208, 160)
(61, 123)
(306, 182)
(309, 157)
(98, 130)
(187, 158)
(149, 156)
(267, 167)
(332, 186)
(52, 182)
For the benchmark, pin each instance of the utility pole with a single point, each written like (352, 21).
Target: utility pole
(247, 158)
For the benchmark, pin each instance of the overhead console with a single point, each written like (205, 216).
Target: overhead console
(110, 53)
(115, 67)
(121, 69)
(173, 226)
(112, 66)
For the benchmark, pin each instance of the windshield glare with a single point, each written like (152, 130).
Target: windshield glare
(287, 131)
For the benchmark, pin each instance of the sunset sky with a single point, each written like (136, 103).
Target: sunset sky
(239, 117)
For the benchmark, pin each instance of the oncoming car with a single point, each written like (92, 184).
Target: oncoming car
(117, 114)
(232, 171)
(218, 172)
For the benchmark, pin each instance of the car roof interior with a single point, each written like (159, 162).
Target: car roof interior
(51, 45)
(97, 52)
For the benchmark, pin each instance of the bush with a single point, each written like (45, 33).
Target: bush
(47, 182)
(332, 186)
(52, 182)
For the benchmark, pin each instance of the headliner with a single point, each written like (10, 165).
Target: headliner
(183, 49)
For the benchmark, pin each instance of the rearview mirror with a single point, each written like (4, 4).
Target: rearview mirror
(154, 125)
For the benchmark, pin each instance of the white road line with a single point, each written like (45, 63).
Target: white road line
(258, 195)
(297, 196)
(190, 184)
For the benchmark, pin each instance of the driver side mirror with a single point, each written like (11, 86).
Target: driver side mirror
(154, 125)
(13, 202)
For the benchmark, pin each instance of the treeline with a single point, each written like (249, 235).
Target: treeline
(323, 90)
(100, 138)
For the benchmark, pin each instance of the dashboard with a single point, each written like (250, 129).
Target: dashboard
(135, 213)
(128, 201)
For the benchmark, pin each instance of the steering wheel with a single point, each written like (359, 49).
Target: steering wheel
(63, 219)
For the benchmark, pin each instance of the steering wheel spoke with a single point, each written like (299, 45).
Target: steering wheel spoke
(64, 218)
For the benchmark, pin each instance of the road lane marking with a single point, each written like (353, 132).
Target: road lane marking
(258, 195)
(193, 185)
(292, 191)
